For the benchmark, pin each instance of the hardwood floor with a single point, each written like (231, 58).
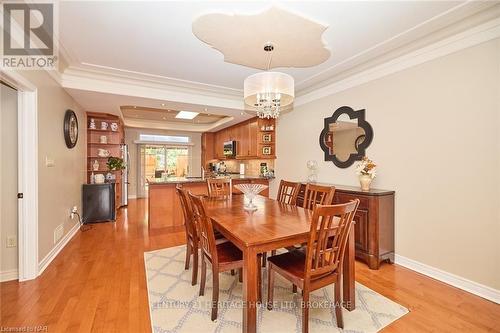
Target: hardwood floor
(98, 284)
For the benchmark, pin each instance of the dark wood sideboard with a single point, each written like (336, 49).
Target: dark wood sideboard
(374, 228)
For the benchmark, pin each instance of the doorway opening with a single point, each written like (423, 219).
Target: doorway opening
(162, 161)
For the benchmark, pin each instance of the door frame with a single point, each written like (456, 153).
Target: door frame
(27, 133)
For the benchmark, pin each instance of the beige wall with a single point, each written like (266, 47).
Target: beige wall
(8, 176)
(436, 140)
(132, 134)
(59, 187)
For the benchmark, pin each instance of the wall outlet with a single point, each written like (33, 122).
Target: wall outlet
(58, 233)
(73, 211)
(11, 241)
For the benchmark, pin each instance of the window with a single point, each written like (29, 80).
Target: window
(164, 138)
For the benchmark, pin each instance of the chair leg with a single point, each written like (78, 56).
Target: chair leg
(264, 259)
(305, 312)
(270, 287)
(232, 272)
(203, 275)
(338, 305)
(240, 274)
(273, 252)
(188, 255)
(294, 288)
(215, 293)
(194, 279)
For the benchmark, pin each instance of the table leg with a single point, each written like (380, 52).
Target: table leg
(348, 273)
(250, 291)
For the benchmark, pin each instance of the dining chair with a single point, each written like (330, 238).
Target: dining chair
(287, 192)
(191, 233)
(222, 257)
(317, 195)
(219, 187)
(321, 263)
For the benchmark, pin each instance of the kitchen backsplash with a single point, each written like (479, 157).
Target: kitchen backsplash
(252, 167)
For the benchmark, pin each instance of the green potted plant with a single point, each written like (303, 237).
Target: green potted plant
(115, 163)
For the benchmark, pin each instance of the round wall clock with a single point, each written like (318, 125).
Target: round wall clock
(70, 128)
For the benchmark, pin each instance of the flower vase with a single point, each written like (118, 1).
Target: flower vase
(365, 181)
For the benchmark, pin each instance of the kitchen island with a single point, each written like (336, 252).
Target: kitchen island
(164, 206)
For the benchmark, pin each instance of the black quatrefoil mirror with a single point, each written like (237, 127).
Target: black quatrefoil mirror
(345, 136)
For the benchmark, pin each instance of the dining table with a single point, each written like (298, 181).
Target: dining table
(273, 225)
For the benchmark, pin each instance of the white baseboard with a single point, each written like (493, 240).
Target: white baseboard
(11, 274)
(55, 251)
(451, 279)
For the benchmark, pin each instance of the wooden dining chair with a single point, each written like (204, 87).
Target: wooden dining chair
(321, 263)
(317, 195)
(287, 192)
(191, 233)
(222, 257)
(220, 187)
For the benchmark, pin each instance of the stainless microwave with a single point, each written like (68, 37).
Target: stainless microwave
(230, 148)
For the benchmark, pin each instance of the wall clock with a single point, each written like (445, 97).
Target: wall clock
(70, 128)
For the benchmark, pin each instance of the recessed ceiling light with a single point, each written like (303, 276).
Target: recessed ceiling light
(242, 113)
(162, 104)
(186, 115)
(164, 118)
(135, 107)
(206, 109)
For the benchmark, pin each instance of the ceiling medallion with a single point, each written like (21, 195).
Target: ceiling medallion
(239, 37)
(267, 93)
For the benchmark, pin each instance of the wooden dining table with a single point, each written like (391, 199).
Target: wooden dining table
(272, 226)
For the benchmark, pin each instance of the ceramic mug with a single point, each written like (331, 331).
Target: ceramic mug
(99, 178)
(104, 125)
(114, 127)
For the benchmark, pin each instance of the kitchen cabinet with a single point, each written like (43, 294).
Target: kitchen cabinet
(207, 148)
(249, 140)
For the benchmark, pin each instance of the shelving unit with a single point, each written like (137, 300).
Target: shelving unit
(114, 140)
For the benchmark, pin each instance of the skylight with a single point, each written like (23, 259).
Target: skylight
(186, 115)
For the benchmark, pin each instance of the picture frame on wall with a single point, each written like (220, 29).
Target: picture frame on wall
(266, 150)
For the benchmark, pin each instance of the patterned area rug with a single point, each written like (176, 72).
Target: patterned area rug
(176, 307)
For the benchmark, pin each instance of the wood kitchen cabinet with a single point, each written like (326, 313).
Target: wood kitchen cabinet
(207, 148)
(249, 140)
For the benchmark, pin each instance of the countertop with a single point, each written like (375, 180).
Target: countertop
(183, 180)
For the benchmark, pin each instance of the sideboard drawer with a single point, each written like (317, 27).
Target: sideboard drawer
(345, 197)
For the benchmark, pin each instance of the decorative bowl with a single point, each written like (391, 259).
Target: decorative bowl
(250, 191)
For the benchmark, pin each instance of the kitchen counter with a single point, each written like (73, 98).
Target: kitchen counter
(164, 206)
(183, 180)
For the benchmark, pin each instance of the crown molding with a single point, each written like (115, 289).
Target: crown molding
(459, 18)
(155, 124)
(471, 37)
(152, 87)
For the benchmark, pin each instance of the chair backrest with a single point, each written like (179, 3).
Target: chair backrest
(287, 192)
(317, 195)
(330, 228)
(206, 231)
(220, 187)
(187, 211)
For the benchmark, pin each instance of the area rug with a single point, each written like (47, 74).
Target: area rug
(175, 306)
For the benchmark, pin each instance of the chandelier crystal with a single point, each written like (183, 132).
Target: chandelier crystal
(268, 93)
